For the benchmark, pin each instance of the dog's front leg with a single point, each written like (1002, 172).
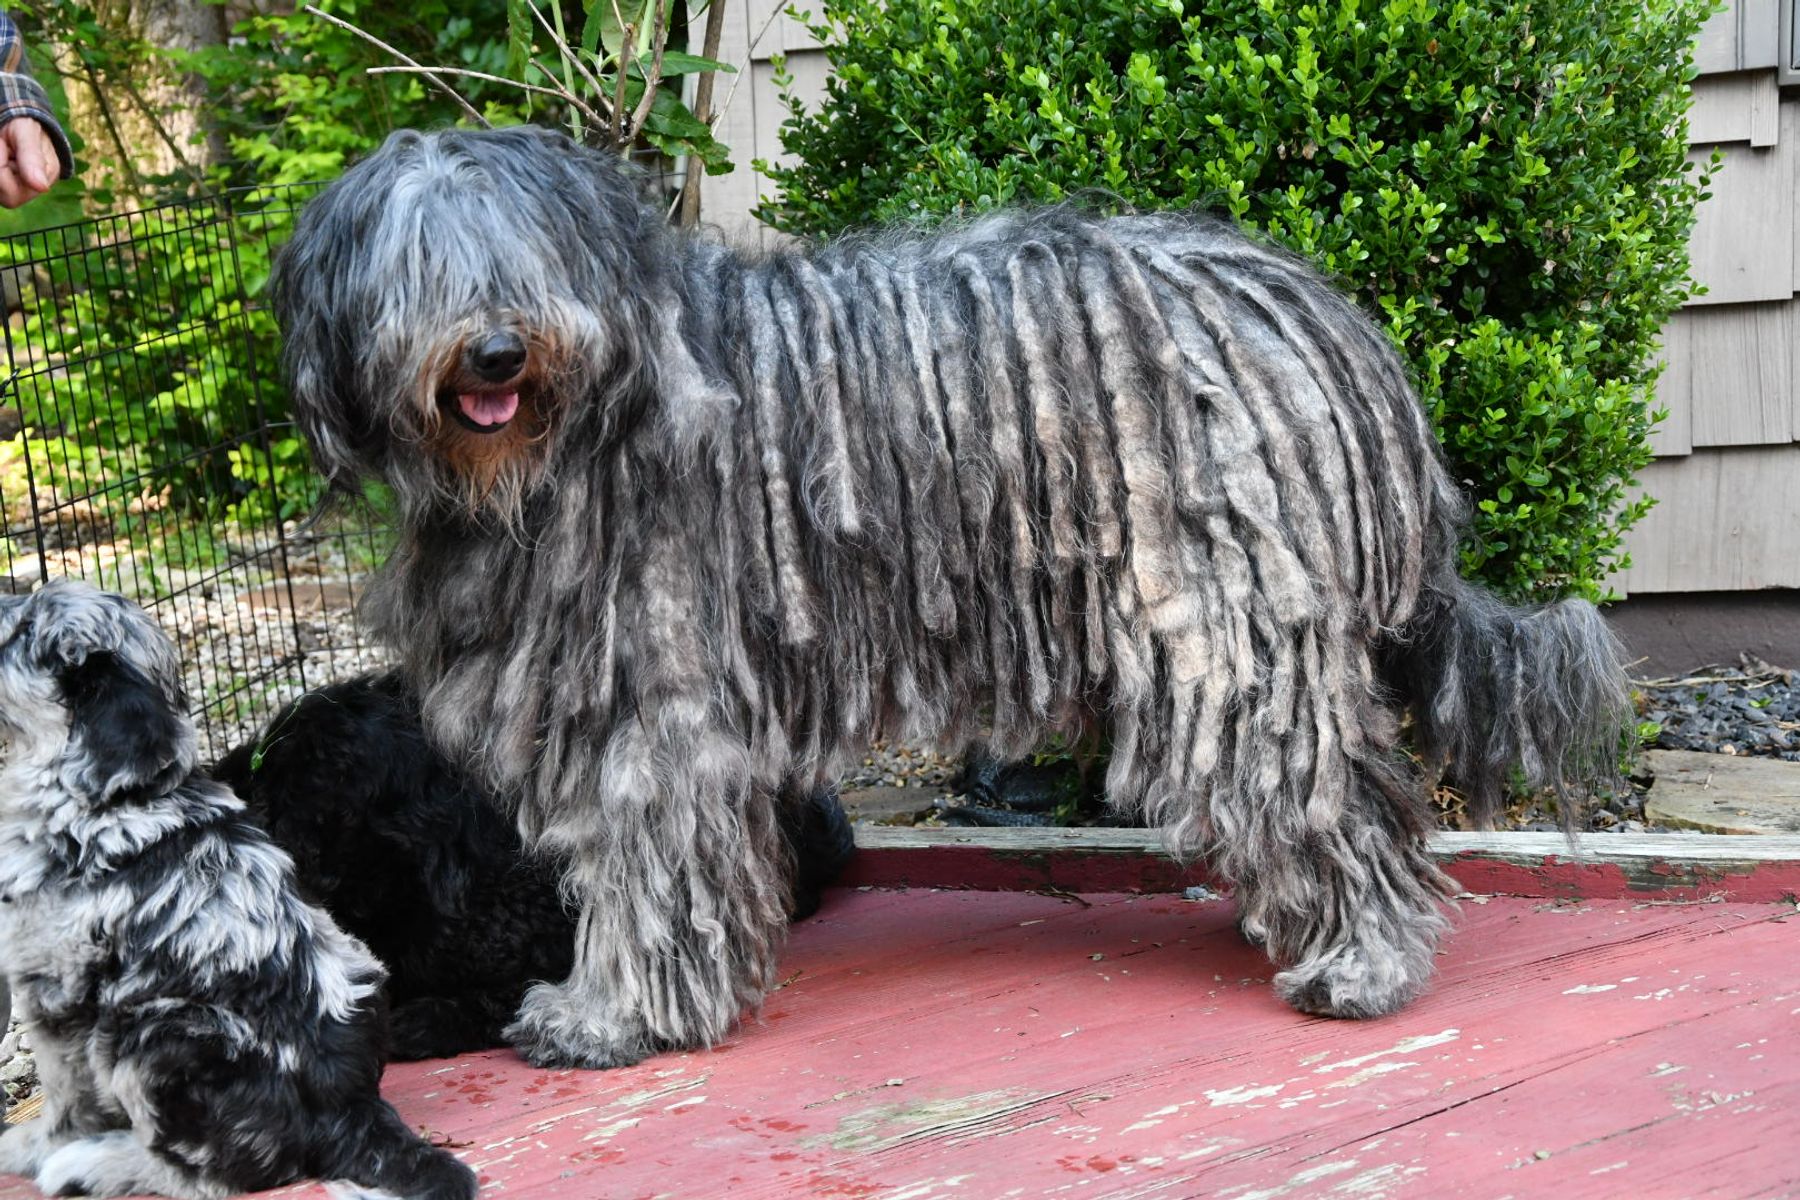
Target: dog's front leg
(682, 878)
(68, 1112)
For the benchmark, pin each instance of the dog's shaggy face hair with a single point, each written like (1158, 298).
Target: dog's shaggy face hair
(410, 855)
(740, 515)
(199, 1029)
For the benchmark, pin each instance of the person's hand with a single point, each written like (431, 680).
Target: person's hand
(28, 164)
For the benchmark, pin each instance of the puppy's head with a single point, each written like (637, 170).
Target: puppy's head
(91, 685)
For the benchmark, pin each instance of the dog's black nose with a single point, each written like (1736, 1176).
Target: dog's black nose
(498, 356)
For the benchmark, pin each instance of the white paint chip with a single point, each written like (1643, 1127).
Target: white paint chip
(1242, 1095)
(1404, 1046)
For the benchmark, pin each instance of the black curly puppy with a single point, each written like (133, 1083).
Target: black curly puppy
(410, 856)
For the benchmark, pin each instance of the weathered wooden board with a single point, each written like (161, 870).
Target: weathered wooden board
(1725, 519)
(1742, 36)
(1736, 361)
(1742, 245)
(1614, 865)
(1673, 436)
(1739, 107)
(987, 1045)
(1723, 793)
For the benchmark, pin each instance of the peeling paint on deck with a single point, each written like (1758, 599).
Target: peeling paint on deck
(1583, 1051)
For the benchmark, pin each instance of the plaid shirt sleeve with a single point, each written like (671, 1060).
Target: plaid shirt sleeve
(23, 96)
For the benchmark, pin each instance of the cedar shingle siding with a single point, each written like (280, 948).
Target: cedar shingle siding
(1728, 473)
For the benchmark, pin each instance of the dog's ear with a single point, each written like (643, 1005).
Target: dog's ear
(130, 739)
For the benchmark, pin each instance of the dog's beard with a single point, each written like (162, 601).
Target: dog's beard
(487, 445)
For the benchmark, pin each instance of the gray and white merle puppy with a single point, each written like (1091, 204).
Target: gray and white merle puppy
(682, 528)
(199, 1029)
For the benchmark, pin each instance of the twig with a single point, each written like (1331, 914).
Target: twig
(600, 102)
(652, 77)
(627, 37)
(428, 72)
(703, 90)
(112, 124)
(1744, 679)
(194, 174)
(744, 67)
(568, 53)
(558, 92)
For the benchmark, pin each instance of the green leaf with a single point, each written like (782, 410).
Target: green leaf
(518, 36)
(674, 62)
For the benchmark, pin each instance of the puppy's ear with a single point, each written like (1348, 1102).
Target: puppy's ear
(130, 739)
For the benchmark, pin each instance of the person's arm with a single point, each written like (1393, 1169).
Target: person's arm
(34, 151)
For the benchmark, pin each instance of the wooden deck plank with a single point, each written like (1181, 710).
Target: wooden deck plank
(992, 1044)
(1672, 866)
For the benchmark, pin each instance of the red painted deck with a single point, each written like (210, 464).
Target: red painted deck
(995, 1044)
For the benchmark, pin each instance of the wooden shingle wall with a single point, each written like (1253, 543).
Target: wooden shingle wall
(1727, 476)
(756, 32)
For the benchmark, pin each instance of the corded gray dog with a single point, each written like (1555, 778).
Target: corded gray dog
(681, 526)
(199, 1030)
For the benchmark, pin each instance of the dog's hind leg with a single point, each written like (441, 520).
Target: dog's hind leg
(1351, 913)
(683, 892)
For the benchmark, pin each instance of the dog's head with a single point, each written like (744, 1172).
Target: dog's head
(90, 684)
(457, 298)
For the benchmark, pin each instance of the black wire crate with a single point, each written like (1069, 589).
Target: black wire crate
(147, 448)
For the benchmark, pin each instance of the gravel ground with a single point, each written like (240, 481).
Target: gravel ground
(1752, 708)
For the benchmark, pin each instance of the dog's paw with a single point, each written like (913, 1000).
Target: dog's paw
(85, 1167)
(558, 1027)
(1356, 980)
(24, 1147)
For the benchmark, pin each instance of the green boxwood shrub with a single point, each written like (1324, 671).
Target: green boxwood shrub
(1502, 184)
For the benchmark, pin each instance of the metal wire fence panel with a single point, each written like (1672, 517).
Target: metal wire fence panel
(149, 450)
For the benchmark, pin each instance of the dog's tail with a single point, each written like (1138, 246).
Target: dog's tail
(377, 1151)
(1494, 688)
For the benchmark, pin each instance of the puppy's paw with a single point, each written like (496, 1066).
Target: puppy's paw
(558, 1027)
(78, 1168)
(117, 1164)
(23, 1148)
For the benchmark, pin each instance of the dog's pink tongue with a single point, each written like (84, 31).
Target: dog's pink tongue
(489, 408)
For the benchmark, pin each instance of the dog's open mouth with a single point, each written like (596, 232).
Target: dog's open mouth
(485, 412)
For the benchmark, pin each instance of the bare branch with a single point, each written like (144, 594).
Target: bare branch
(703, 91)
(652, 77)
(744, 67)
(559, 92)
(428, 72)
(600, 102)
(569, 53)
(627, 37)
